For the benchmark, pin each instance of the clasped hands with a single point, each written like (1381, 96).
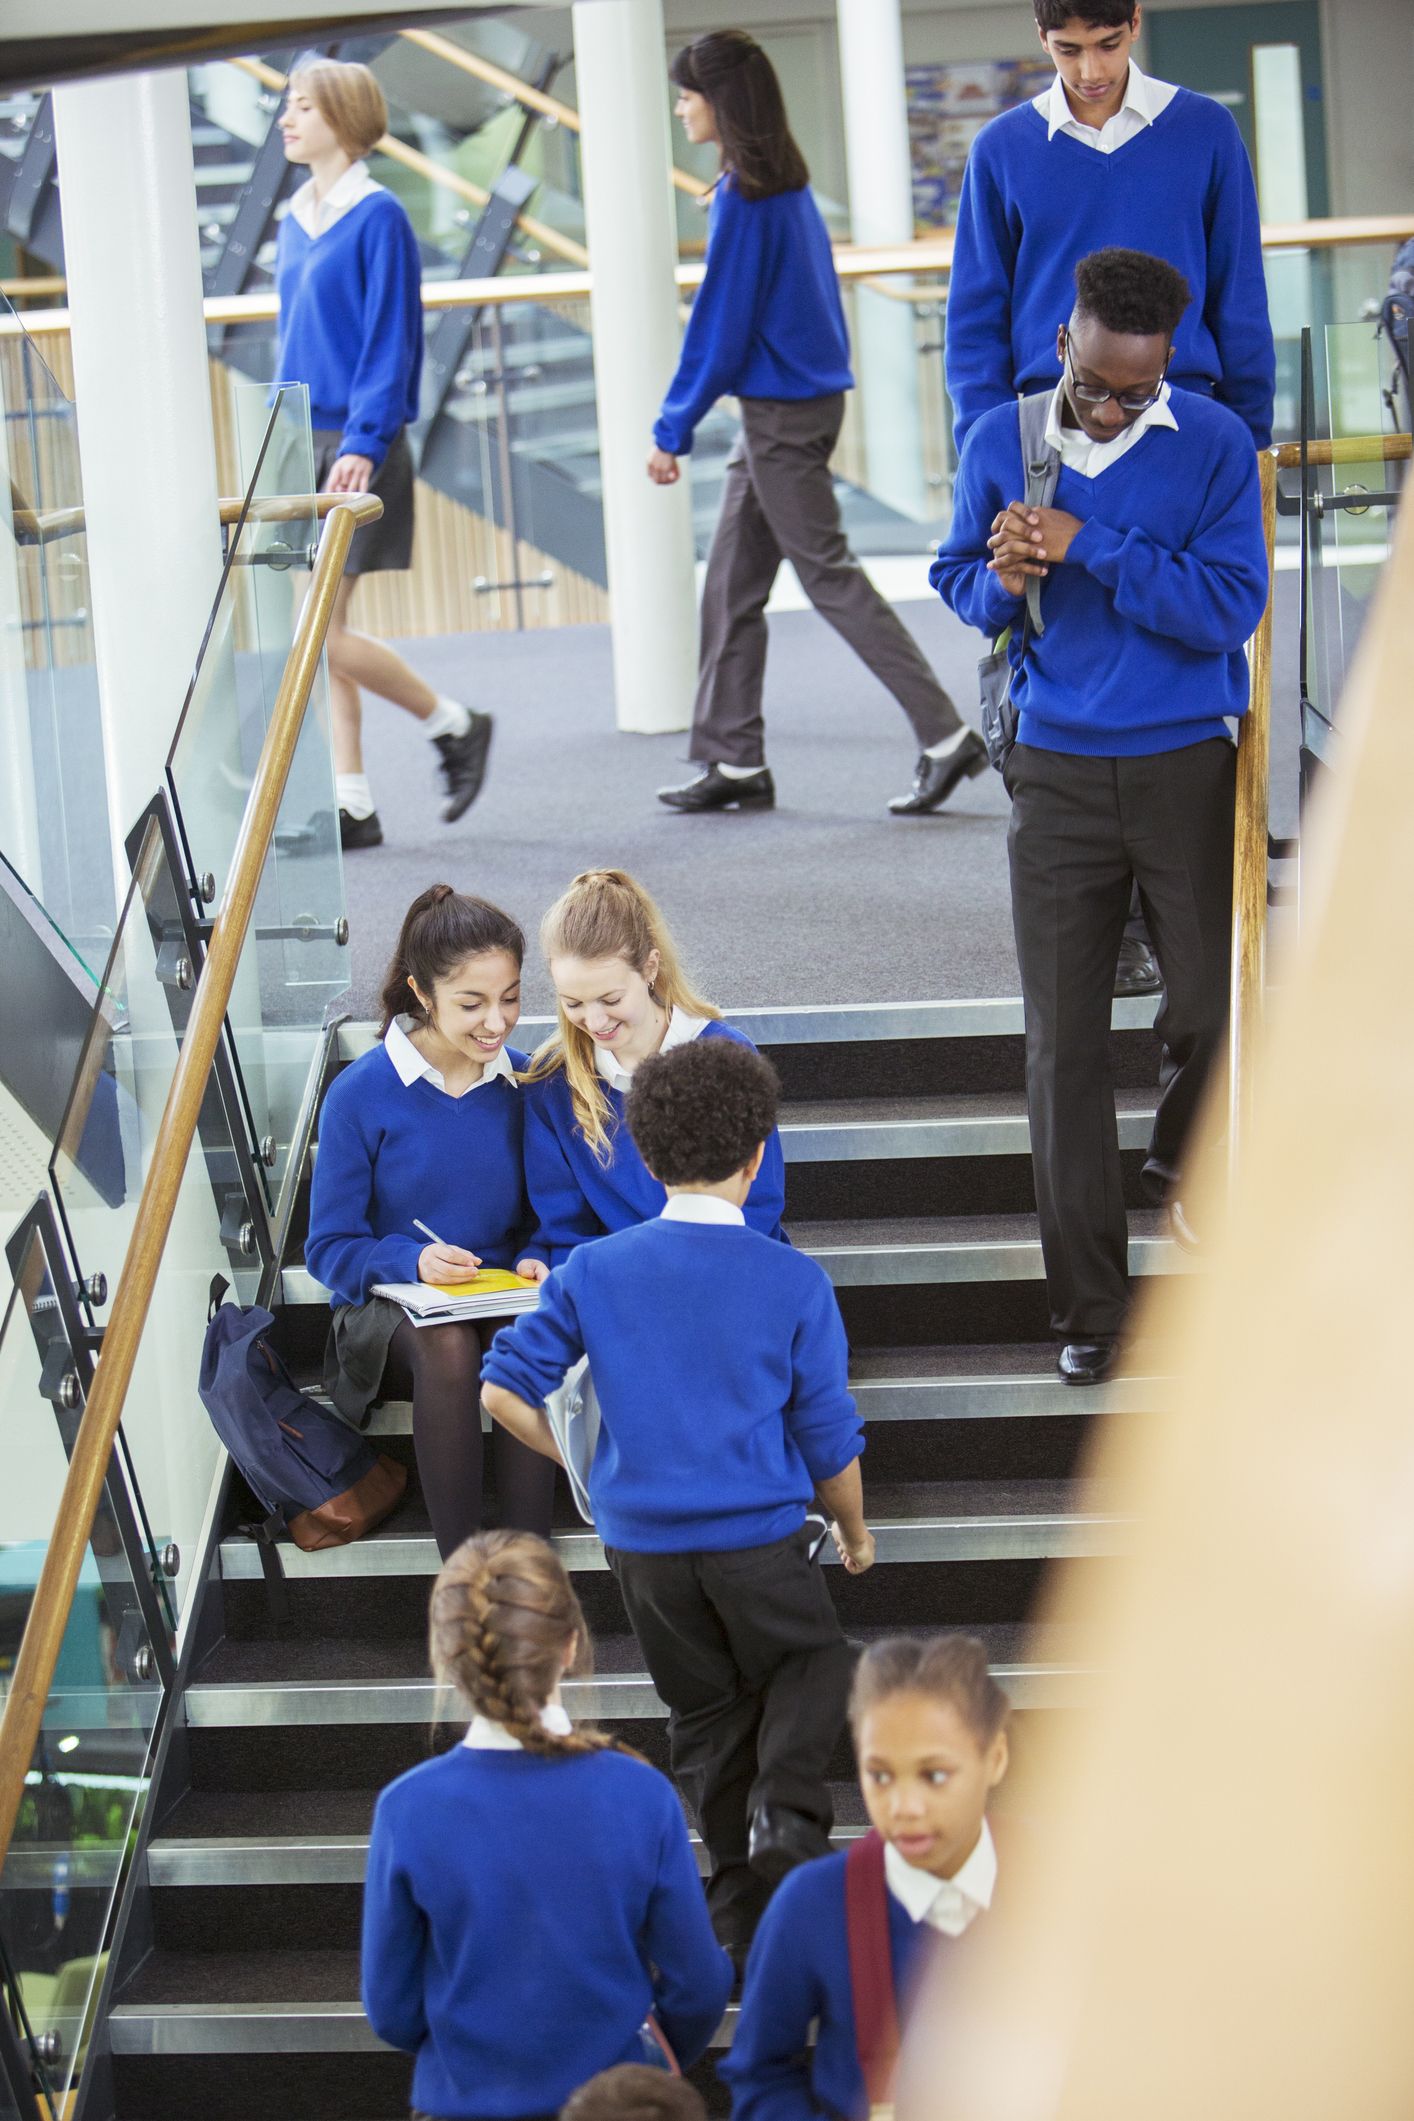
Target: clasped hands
(1028, 541)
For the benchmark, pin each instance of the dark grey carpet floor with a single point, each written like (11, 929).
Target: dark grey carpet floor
(827, 899)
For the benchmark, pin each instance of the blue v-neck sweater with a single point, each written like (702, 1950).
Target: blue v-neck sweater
(1147, 617)
(391, 1151)
(521, 1918)
(351, 322)
(1033, 207)
(575, 1196)
(768, 321)
(798, 1975)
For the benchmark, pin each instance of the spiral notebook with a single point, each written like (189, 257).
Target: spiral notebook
(493, 1293)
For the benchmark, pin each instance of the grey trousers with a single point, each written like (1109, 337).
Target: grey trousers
(1082, 832)
(779, 503)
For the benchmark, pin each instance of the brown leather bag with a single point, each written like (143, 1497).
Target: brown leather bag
(357, 1510)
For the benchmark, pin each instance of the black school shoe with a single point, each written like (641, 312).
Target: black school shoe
(1086, 1362)
(355, 832)
(781, 1839)
(935, 779)
(713, 790)
(463, 764)
(1137, 971)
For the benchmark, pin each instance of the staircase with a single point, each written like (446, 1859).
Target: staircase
(908, 1177)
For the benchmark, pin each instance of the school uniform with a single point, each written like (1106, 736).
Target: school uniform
(523, 1914)
(349, 279)
(798, 1976)
(395, 1148)
(1169, 175)
(575, 1196)
(720, 1363)
(768, 329)
(1123, 773)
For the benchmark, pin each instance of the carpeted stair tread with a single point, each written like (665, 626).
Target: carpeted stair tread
(894, 1111)
(947, 1230)
(276, 1977)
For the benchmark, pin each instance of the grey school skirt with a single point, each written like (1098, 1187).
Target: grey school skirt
(356, 1354)
(385, 546)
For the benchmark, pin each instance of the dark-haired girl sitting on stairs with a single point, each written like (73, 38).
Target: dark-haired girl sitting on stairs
(419, 1177)
(532, 1895)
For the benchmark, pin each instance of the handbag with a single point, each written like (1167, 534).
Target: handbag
(996, 673)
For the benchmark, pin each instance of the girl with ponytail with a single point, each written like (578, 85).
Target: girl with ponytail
(621, 995)
(425, 1133)
(531, 1895)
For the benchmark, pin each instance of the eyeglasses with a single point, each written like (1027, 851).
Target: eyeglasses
(1127, 400)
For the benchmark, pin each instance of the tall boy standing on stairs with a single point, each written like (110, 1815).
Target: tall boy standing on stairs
(1153, 570)
(1107, 156)
(720, 1363)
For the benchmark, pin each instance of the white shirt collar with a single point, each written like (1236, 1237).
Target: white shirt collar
(1144, 101)
(316, 215)
(485, 1736)
(1091, 458)
(946, 1904)
(700, 1208)
(681, 1028)
(411, 1067)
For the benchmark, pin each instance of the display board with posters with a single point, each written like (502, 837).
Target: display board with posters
(947, 108)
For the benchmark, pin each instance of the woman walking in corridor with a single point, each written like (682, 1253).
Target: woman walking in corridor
(768, 328)
(349, 281)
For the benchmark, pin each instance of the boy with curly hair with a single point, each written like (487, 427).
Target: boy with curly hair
(721, 1368)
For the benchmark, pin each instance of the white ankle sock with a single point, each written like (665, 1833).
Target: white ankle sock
(948, 745)
(352, 793)
(448, 718)
(740, 773)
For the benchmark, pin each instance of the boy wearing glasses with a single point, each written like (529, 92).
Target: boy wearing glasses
(1153, 572)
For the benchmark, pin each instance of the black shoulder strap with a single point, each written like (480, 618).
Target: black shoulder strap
(216, 1295)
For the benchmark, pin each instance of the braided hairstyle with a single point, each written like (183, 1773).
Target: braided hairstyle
(503, 1614)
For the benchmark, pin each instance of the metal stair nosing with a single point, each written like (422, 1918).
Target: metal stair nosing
(608, 1697)
(232, 1860)
(1017, 1535)
(283, 2028)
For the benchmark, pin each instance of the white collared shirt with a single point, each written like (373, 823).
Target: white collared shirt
(700, 1208)
(1079, 453)
(485, 1736)
(946, 1904)
(411, 1066)
(681, 1028)
(1144, 100)
(315, 216)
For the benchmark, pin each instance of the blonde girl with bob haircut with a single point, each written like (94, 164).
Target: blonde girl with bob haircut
(621, 994)
(532, 1898)
(349, 277)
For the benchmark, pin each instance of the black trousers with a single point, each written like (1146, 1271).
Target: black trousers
(746, 1650)
(1083, 833)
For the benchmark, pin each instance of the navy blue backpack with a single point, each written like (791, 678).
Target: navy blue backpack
(316, 1479)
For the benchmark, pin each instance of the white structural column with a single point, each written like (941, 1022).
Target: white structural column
(881, 211)
(620, 61)
(133, 263)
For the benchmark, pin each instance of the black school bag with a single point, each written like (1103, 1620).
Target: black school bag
(316, 1479)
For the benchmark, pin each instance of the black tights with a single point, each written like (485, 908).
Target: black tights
(439, 1368)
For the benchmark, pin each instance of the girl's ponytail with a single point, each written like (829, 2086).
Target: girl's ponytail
(441, 929)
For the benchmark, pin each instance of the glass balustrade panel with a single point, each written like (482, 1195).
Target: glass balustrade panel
(89, 1777)
(295, 963)
(54, 825)
(100, 1163)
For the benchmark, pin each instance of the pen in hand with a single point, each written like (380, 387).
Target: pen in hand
(440, 1262)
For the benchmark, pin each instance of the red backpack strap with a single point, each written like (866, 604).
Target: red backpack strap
(871, 1967)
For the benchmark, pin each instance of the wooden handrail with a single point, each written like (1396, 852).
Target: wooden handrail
(532, 98)
(1249, 847)
(433, 172)
(43, 526)
(1347, 449)
(93, 1446)
(853, 261)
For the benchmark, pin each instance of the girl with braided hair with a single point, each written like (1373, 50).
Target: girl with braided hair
(532, 1895)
